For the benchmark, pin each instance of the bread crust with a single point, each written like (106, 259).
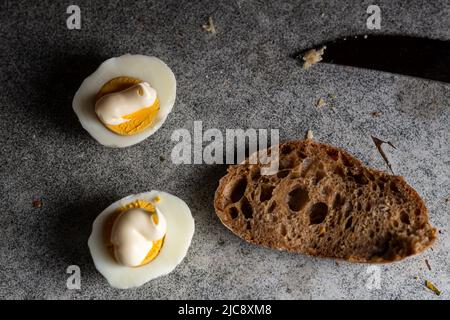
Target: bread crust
(324, 202)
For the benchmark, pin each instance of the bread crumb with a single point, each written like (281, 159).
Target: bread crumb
(428, 264)
(376, 114)
(157, 199)
(312, 56)
(209, 26)
(320, 103)
(447, 200)
(432, 287)
(309, 134)
(37, 203)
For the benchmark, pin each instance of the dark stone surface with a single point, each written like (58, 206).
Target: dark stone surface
(241, 77)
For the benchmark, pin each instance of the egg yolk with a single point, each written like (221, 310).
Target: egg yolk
(147, 206)
(139, 120)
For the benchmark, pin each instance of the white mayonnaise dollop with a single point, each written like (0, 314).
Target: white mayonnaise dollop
(133, 234)
(112, 107)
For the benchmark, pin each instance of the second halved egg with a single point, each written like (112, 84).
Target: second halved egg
(126, 99)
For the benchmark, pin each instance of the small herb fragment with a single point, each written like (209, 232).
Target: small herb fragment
(209, 26)
(320, 103)
(432, 287)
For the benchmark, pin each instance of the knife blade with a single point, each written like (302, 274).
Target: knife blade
(405, 55)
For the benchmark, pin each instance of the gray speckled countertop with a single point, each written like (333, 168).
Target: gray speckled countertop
(241, 77)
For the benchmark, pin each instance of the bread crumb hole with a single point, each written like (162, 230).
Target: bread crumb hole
(404, 217)
(287, 163)
(301, 155)
(266, 193)
(246, 208)
(238, 190)
(338, 201)
(272, 207)
(360, 178)
(255, 174)
(319, 176)
(298, 198)
(283, 230)
(286, 149)
(283, 174)
(349, 223)
(394, 188)
(334, 154)
(340, 172)
(233, 212)
(346, 161)
(318, 213)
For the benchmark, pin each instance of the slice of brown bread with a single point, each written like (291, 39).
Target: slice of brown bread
(324, 202)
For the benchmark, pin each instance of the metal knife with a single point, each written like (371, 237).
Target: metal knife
(412, 56)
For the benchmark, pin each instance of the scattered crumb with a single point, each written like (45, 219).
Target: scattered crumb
(441, 232)
(157, 199)
(428, 264)
(447, 200)
(162, 159)
(331, 98)
(37, 203)
(320, 103)
(209, 26)
(365, 36)
(309, 134)
(337, 263)
(432, 287)
(378, 143)
(376, 114)
(312, 56)
(322, 15)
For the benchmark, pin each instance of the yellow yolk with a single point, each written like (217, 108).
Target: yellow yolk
(139, 120)
(136, 204)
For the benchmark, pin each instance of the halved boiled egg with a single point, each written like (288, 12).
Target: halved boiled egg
(126, 99)
(141, 237)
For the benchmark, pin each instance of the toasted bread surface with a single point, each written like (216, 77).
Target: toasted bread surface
(324, 202)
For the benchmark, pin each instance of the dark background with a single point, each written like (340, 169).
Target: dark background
(240, 77)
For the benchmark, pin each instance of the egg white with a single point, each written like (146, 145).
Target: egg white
(180, 229)
(149, 69)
